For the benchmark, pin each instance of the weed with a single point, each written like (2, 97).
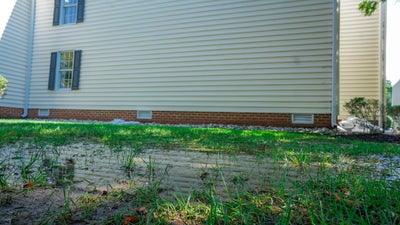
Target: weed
(28, 173)
(150, 169)
(4, 175)
(300, 160)
(128, 159)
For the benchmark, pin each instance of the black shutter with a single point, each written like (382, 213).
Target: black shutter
(52, 73)
(56, 13)
(81, 11)
(77, 70)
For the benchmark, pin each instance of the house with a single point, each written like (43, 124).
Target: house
(271, 63)
(396, 94)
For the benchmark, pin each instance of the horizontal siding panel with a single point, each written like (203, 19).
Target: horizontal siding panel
(228, 56)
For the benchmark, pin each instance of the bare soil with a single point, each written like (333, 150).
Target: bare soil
(42, 205)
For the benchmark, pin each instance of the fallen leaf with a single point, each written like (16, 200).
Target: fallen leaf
(130, 219)
(28, 185)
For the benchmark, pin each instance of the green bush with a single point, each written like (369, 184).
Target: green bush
(3, 85)
(363, 108)
(394, 113)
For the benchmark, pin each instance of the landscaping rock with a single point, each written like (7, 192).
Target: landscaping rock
(357, 125)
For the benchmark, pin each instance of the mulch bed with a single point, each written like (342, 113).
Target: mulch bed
(384, 138)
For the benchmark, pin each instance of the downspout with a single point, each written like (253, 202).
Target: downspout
(30, 53)
(382, 65)
(335, 47)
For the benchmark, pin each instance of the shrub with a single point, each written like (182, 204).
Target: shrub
(394, 112)
(367, 109)
(3, 85)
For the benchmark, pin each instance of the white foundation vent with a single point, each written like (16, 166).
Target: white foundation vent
(44, 112)
(147, 115)
(302, 118)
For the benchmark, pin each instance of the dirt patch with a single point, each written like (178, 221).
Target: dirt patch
(105, 184)
(61, 206)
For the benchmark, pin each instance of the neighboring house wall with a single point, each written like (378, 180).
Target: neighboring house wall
(14, 45)
(359, 52)
(396, 94)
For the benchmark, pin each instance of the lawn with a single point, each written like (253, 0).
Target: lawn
(337, 181)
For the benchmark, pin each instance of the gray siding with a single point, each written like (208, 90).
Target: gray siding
(14, 45)
(227, 56)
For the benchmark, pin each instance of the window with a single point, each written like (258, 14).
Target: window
(64, 70)
(64, 76)
(68, 12)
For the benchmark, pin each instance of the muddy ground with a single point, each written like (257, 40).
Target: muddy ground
(31, 204)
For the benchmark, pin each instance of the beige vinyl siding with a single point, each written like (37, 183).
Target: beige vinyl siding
(14, 44)
(225, 56)
(359, 54)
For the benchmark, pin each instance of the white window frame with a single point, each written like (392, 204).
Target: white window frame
(63, 7)
(59, 70)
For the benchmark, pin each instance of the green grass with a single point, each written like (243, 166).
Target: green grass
(347, 197)
(198, 139)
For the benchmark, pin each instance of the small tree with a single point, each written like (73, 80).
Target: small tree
(3, 86)
(367, 109)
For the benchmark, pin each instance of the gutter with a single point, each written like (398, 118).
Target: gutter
(30, 53)
(335, 62)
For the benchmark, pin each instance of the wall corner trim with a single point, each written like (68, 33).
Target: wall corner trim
(335, 61)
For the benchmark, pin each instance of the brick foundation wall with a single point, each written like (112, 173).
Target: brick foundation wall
(10, 112)
(100, 115)
(258, 119)
(173, 117)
